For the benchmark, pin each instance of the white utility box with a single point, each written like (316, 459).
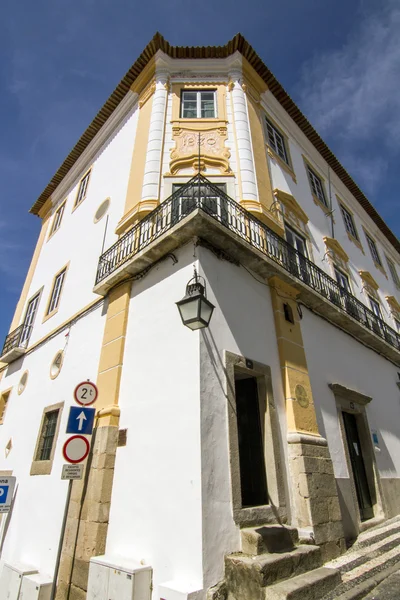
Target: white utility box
(11, 579)
(116, 578)
(35, 587)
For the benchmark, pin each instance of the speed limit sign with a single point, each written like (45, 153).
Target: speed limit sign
(86, 393)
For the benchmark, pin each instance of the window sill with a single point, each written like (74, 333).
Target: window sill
(355, 241)
(47, 317)
(215, 121)
(272, 154)
(41, 467)
(318, 202)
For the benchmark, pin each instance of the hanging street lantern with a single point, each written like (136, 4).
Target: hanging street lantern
(194, 308)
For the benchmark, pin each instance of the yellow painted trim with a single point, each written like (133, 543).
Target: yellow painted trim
(177, 88)
(377, 265)
(334, 245)
(19, 390)
(53, 312)
(29, 277)
(75, 206)
(258, 140)
(291, 204)
(45, 211)
(137, 213)
(251, 77)
(138, 163)
(271, 152)
(4, 402)
(144, 78)
(61, 365)
(44, 467)
(265, 216)
(368, 279)
(317, 201)
(394, 305)
(52, 232)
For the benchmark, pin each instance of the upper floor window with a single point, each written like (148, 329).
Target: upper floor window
(4, 397)
(56, 291)
(57, 218)
(296, 240)
(393, 272)
(397, 325)
(198, 104)
(317, 186)
(276, 141)
(82, 190)
(342, 279)
(376, 309)
(29, 318)
(47, 435)
(349, 222)
(374, 250)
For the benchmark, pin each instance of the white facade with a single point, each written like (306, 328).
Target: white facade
(171, 502)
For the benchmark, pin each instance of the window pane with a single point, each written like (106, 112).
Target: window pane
(393, 272)
(276, 141)
(55, 295)
(48, 433)
(349, 222)
(373, 249)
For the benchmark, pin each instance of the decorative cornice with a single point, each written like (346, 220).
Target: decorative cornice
(368, 279)
(334, 245)
(349, 394)
(394, 305)
(291, 204)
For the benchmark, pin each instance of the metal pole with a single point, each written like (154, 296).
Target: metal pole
(60, 545)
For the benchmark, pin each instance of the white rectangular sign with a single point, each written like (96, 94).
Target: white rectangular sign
(7, 485)
(72, 472)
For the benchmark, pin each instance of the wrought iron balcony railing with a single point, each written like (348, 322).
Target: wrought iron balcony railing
(199, 193)
(17, 340)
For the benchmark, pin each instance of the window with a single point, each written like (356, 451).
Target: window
(47, 435)
(22, 382)
(46, 440)
(29, 319)
(296, 240)
(56, 364)
(198, 104)
(397, 323)
(342, 279)
(276, 141)
(102, 210)
(81, 195)
(374, 250)
(317, 186)
(56, 292)
(349, 222)
(4, 397)
(57, 219)
(376, 309)
(393, 272)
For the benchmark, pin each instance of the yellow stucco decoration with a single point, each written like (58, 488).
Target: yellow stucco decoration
(334, 245)
(368, 279)
(291, 204)
(394, 305)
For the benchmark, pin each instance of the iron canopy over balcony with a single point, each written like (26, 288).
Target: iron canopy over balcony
(201, 196)
(16, 343)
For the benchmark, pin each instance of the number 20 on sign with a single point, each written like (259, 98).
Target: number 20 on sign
(86, 393)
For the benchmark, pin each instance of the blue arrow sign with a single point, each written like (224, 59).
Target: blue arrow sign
(80, 420)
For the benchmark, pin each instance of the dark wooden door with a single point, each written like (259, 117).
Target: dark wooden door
(253, 479)
(358, 467)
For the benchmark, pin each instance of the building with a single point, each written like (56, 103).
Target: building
(285, 410)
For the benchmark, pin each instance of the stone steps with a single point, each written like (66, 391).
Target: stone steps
(309, 586)
(268, 539)
(247, 575)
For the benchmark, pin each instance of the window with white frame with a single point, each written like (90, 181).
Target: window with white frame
(373, 250)
(276, 141)
(393, 272)
(349, 222)
(29, 318)
(56, 291)
(296, 240)
(198, 104)
(47, 435)
(57, 218)
(342, 279)
(83, 186)
(317, 186)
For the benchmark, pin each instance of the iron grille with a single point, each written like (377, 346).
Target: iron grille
(199, 193)
(18, 338)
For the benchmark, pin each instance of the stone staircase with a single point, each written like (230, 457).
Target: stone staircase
(374, 556)
(274, 566)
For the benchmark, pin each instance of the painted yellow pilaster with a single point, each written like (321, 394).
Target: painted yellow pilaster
(300, 409)
(136, 175)
(28, 280)
(112, 355)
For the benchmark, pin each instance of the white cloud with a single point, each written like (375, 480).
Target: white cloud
(352, 95)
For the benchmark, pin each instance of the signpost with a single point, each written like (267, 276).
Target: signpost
(75, 451)
(7, 485)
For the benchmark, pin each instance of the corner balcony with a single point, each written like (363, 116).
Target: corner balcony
(15, 344)
(200, 209)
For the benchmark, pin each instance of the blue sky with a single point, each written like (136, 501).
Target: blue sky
(338, 59)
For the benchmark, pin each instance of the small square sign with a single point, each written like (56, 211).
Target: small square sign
(3, 493)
